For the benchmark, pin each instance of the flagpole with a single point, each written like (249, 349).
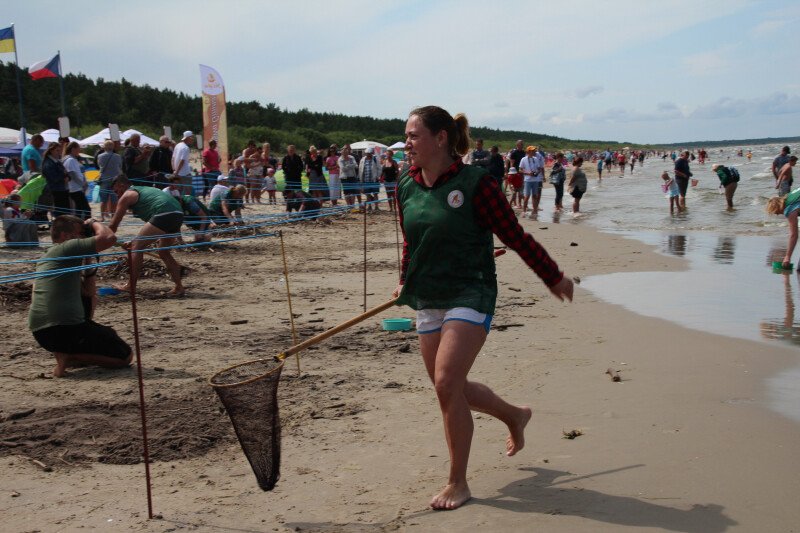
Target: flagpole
(61, 80)
(19, 86)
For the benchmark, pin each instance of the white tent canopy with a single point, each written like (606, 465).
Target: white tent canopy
(52, 136)
(98, 138)
(144, 139)
(10, 137)
(363, 145)
(399, 145)
(103, 135)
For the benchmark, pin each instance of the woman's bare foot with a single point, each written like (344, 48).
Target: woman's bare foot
(516, 437)
(124, 288)
(62, 361)
(453, 496)
(177, 291)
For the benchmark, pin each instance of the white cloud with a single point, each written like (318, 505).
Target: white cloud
(774, 104)
(768, 27)
(709, 63)
(585, 92)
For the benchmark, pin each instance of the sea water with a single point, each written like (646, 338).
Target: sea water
(730, 287)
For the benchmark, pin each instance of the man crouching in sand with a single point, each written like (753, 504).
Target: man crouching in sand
(57, 318)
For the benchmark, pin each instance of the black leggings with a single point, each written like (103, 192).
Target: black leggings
(61, 203)
(82, 209)
(559, 187)
(683, 185)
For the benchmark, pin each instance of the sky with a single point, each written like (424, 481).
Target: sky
(620, 70)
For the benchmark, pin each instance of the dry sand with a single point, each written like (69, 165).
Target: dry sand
(683, 443)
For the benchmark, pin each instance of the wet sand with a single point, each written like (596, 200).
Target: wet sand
(684, 442)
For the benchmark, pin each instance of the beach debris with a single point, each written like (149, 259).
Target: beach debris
(151, 268)
(38, 463)
(405, 348)
(614, 374)
(503, 327)
(21, 414)
(238, 322)
(15, 294)
(573, 434)
(576, 280)
(393, 385)
(573, 244)
(15, 494)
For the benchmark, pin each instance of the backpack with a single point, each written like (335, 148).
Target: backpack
(734, 174)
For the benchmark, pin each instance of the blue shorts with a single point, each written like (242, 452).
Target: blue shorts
(107, 194)
(532, 188)
(431, 320)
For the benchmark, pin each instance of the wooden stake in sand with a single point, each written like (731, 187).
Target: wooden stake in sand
(132, 285)
(289, 298)
(365, 256)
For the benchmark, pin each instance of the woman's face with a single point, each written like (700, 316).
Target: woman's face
(422, 146)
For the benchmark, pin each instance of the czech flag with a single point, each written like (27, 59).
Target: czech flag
(7, 40)
(49, 68)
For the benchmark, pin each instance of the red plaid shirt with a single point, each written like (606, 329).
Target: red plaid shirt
(493, 212)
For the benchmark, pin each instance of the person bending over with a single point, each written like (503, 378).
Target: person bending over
(57, 316)
(196, 217)
(789, 207)
(227, 207)
(162, 215)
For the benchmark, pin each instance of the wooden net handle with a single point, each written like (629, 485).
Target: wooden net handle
(336, 329)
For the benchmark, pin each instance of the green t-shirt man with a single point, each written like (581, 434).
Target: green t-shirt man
(57, 299)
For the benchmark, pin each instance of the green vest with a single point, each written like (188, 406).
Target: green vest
(451, 260)
(153, 202)
(186, 202)
(215, 207)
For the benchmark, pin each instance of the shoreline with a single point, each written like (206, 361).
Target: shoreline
(683, 443)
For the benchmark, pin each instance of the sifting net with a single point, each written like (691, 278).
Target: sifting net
(249, 392)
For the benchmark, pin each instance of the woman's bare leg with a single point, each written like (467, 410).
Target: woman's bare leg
(448, 357)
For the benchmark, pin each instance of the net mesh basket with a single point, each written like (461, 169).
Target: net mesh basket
(249, 392)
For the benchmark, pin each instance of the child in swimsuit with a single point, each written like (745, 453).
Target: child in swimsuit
(670, 187)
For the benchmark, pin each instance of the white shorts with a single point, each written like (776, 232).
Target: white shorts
(431, 320)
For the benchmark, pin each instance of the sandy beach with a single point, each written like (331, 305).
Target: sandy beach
(684, 442)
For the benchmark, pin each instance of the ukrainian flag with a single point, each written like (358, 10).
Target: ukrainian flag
(7, 40)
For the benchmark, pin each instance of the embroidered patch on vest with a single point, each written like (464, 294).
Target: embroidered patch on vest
(455, 199)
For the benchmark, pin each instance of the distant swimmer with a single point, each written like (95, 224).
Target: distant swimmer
(682, 175)
(749, 156)
(780, 161)
(784, 183)
(728, 179)
(577, 184)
